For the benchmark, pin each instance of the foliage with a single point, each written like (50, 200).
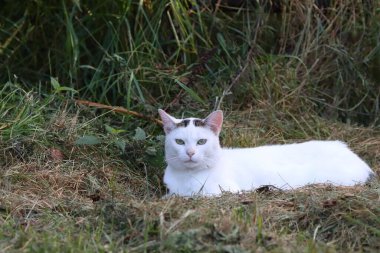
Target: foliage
(142, 55)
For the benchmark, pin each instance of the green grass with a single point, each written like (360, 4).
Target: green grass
(96, 197)
(148, 54)
(79, 179)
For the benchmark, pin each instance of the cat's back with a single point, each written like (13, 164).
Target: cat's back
(310, 148)
(331, 153)
(296, 149)
(294, 164)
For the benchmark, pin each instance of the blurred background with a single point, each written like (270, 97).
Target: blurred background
(320, 57)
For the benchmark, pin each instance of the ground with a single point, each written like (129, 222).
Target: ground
(66, 186)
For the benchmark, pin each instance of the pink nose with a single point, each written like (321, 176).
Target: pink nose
(190, 152)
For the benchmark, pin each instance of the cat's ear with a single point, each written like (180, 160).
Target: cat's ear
(167, 120)
(214, 121)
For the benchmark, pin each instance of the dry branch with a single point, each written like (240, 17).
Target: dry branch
(118, 109)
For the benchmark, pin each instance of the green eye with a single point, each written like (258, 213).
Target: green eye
(201, 141)
(179, 142)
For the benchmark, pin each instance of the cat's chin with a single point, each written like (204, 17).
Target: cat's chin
(187, 165)
(190, 164)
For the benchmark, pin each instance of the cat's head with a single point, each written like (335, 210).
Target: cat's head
(192, 143)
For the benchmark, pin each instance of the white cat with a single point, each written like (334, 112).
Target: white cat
(198, 165)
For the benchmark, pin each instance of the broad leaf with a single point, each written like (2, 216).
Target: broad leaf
(139, 135)
(88, 140)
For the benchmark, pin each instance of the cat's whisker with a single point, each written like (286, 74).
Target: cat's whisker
(172, 158)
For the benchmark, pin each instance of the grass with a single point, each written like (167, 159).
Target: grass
(58, 194)
(77, 179)
(148, 54)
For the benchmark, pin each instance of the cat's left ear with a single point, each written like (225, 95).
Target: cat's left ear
(167, 120)
(214, 121)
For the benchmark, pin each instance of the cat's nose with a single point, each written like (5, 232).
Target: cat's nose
(190, 152)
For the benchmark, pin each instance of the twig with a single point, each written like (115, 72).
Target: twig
(118, 109)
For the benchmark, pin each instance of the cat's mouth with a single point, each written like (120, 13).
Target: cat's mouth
(190, 161)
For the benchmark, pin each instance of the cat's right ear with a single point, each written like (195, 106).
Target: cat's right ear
(214, 121)
(167, 120)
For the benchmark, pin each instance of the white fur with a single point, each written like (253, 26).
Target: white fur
(211, 169)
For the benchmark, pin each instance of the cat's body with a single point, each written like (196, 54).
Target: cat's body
(198, 165)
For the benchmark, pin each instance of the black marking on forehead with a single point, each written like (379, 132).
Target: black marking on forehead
(196, 122)
(199, 123)
(183, 123)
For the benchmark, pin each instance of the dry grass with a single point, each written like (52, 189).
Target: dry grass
(92, 193)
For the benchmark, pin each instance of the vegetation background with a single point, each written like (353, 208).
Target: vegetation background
(76, 178)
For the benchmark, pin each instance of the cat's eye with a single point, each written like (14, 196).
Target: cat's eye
(201, 141)
(180, 142)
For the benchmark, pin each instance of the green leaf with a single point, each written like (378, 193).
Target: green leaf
(54, 83)
(112, 130)
(121, 144)
(151, 151)
(160, 138)
(139, 134)
(58, 88)
(64, 88)
(88, 140)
